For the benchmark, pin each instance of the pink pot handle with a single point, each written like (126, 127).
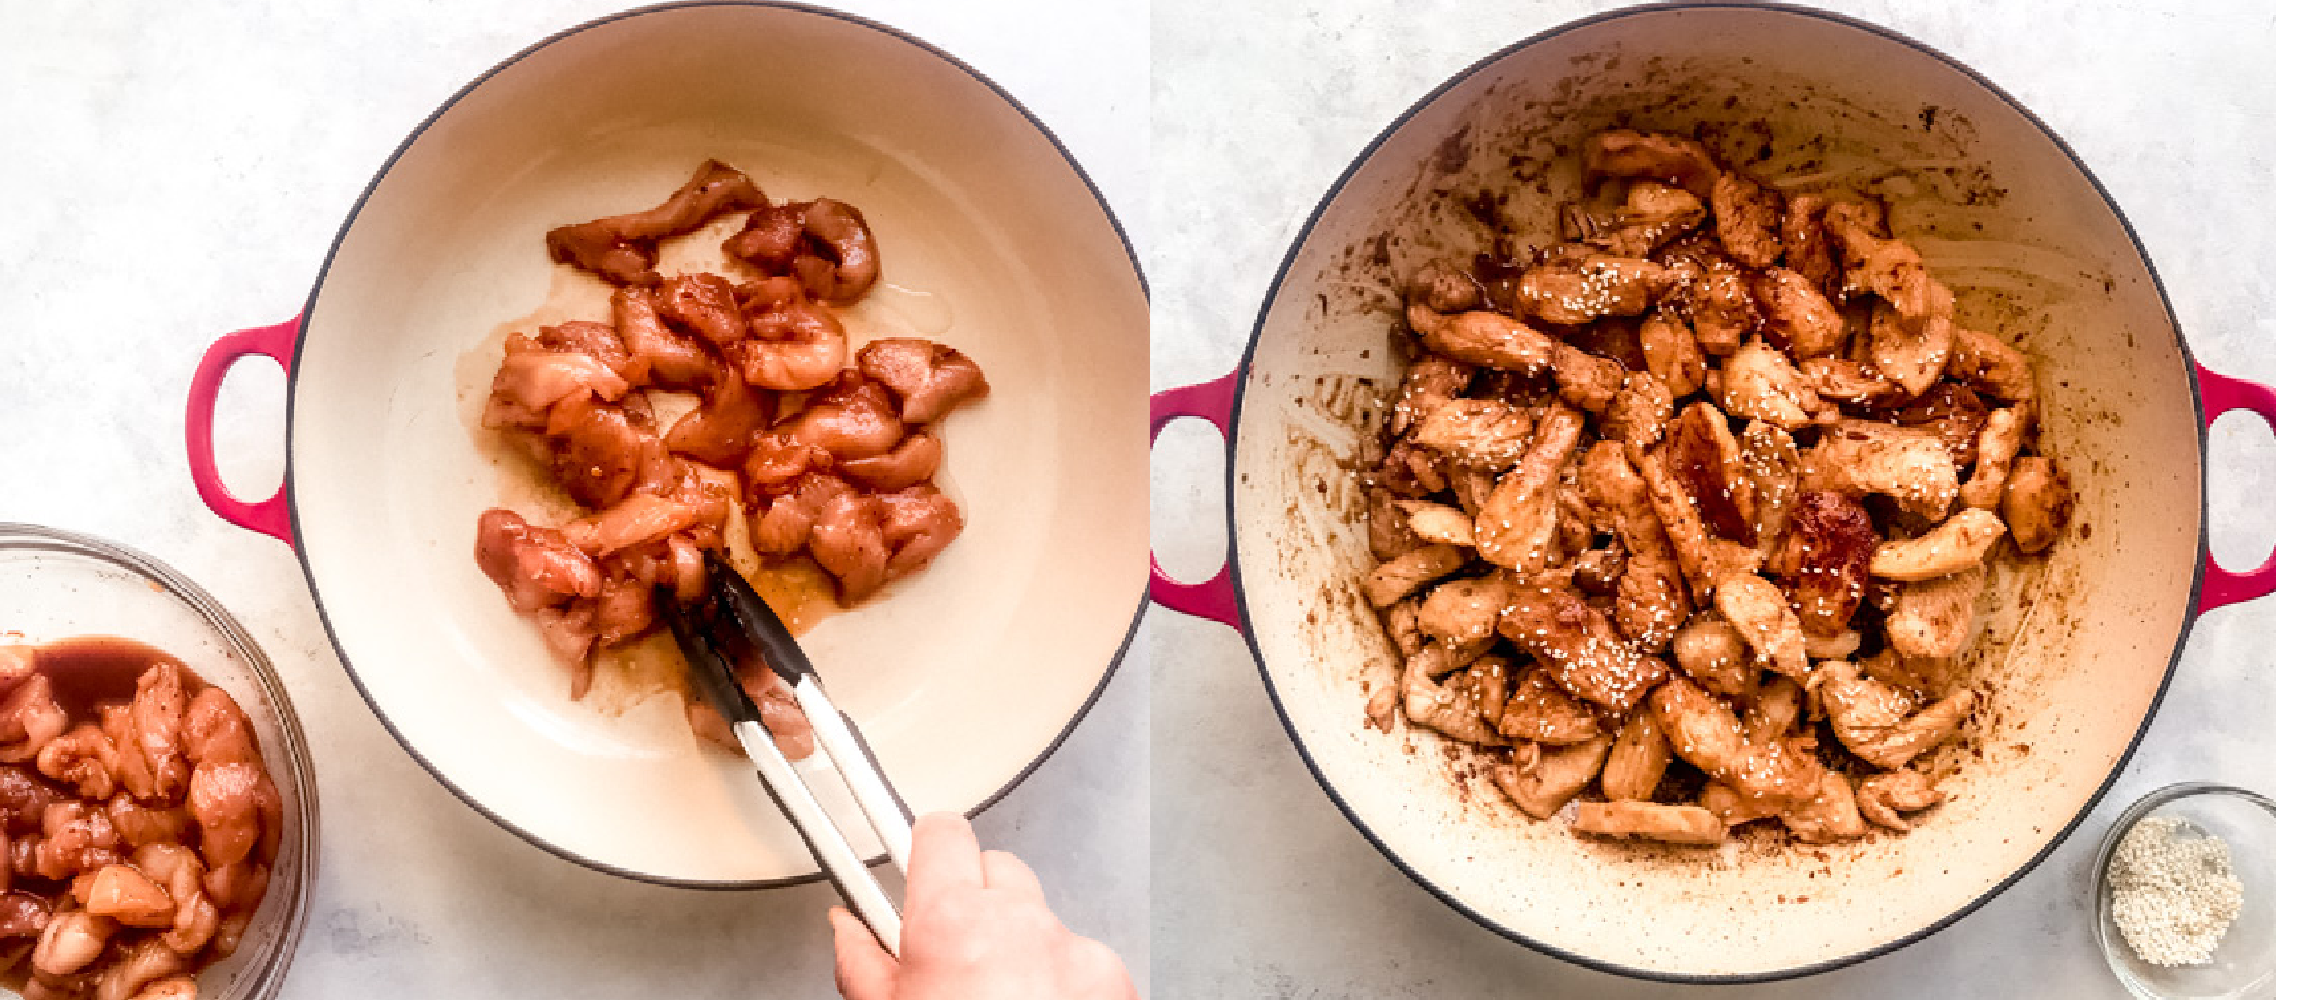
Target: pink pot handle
(277, 342)
(1215, 599)
(2221, 394)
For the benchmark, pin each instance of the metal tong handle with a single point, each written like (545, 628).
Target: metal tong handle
(889, 816)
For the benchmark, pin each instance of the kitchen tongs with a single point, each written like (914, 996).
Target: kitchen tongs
(730, 611)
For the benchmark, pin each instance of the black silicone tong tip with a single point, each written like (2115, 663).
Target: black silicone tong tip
(750, 614)
(714, 677)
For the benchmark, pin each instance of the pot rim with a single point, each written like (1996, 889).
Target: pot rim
(303, 329)
(1230, 492)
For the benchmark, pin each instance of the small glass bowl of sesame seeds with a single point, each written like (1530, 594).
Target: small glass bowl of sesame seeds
(2185, 893)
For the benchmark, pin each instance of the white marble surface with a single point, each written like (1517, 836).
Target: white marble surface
(176, 170)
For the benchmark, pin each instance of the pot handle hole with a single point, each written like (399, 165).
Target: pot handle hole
(277, 342)
(2220, 394)
(1216, 598)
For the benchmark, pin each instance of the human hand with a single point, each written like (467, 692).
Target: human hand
(974, 927)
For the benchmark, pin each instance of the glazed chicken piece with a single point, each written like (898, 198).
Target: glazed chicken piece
(1805, 244)
(1683, 163)
(1649, 601)
(1712, 652)
(1732, 808)
(1883, 798)
(2037, 503)
(1489, 340)
(1932, 619)
(1860, 457)
(1829, 817)
(1651, 214)
(1600, 285)
(1798, 313)
(704, 305)
(1951, 412)
(1760, 383)
(1584, 379)
(1444, 288)
(1538, 711)
(1721, 307)
(1389, 526)
(1762, 614)
(1452, 707)
(1994, 447)
(850, 418)
(1638, 412)
(1613, 484)
(1640, 755)
(1826, 561)
(1436, 522)
(1541, 781)
(1875, 721)
(1478, 433)
(1668, 824)
(1748, 220)
(1704, 459)
(1843, 380)
(1671, 353)
(1429, 383)
(668, 358)
(1699, 728)
(1992, 366)
(1514, 524)
(1577, 645)
(621, 248)
(929, 378)
(537, 567)
(1769, 461)
(1952, 546)
(1463, 611)
(1393, 580)
(721, 431)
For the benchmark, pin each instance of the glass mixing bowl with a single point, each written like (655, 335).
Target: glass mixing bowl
(2244, 963)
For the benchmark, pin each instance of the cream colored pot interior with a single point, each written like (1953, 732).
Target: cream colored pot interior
(2075, 647)
(962, 676)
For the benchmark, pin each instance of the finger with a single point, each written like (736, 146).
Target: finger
(943, 856)
(1007, 873)
(865, 970)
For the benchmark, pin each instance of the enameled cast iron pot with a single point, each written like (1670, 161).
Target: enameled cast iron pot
(993, 240)
(2081, 645)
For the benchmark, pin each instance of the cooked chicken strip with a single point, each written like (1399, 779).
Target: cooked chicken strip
(1763, 616)
(1478, 433)
(1774, 711)
(1933, 618)
(1492, 340)
(1829, 817)
(1805, 245)
(1884, 797)
(1748, 220)
(1860, 457)
(1640, 755)
(1429, 382)
(1450, 707)
(1732, 808)
(1600, 285)
(1489, 677)
(1798, 313)
(1847, 381)
(1670, 824)
(1514, 524)
(1700, 728)
(1769, 460)
(1577, 645)
(1826, 563)
(1911, 349)
(1704, 458)
(1671, 354)
(1697, 556)
(1549, 778)
(1463, 611)
(1710, 650)
(1992, 366)
(1873, 720)
(1538, 711)
(1651, 214)
(1638, 412)
(1586, 380)
(1761, 384)
(2000, 439)
(1684, 163)
(1775, 775)
(1649, 602)
(1407, 573)
(1444, 288)
(1437, 522)
(1722, 309)
(1957, 544)
(2037, 503)
(1614, 485)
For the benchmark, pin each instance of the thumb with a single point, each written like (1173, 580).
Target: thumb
(865, 970)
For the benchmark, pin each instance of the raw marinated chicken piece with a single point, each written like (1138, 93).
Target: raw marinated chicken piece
(23, 797)
(598, 340)
(1542, 781)
(917, 522)
(1601, 285)
(1669, 824)
(154, 733)
(534, 380)
(720, 432)
(703, 305)
(912, 462)
(621, 248)
(1748, 220)
(70, 941)
(850, 418)
(2037, 503)
(537, 567)
(849, 251)
(80, 760)
(930, 379)
(1491, 340)
(597, 453)
(231, 803)
(1826, 561)
(1681, 162)
(1479, 433)
(1798, 313)
(771, 239)
(139, 825)
(668, 358)
(1577, 645)
(784, 523)
(641, 519)
(1884, 797)
(794, 343)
